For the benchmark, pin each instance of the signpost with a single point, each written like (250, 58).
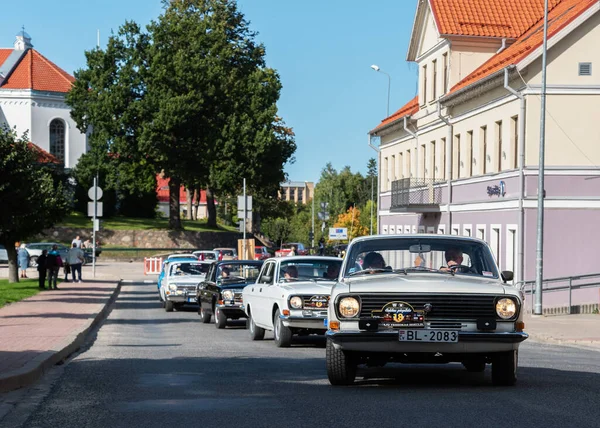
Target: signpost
(338, 233)
(244, 211)
(95, 211)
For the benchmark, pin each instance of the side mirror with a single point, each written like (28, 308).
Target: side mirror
(266, 279)
(507, 275)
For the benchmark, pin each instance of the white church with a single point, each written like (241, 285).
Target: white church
(32, 100)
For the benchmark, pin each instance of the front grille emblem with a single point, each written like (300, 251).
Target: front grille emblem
(428, 307)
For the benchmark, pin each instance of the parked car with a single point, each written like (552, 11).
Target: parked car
(179, 284)
(226, 253)
(3, 255)
(261, 253)
(189, 256)
(208, 255)
(35, 250)
(290, 296)
(285, 249)
(220, 294)
(423, 299)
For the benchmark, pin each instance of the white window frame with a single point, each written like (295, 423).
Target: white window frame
(482, 227)
(421, 229)
(414, 230)
(385, 229)
(496, 246)
(455, 228)
(399, 229)
(469, 228)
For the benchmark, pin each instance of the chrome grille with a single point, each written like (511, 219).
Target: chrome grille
(237, 297)
(310, 302)
(445, 306)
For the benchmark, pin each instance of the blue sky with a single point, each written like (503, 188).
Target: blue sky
(322, 50)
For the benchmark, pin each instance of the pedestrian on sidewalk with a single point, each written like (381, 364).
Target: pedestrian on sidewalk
(67, 269)
(41, 268)
(23, 256)
(53, 264)
(75, 258)
(76, 241)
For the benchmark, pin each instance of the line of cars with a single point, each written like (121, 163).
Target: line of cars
(393, 299)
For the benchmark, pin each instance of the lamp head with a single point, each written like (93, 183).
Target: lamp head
(374, 67)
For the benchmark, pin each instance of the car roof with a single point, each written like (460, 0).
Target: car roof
(237, 262)
(419, 235)
(301, 258)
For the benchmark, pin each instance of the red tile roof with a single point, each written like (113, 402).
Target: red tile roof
(408, 109)
(560, 16)
(4, 53)
(488, 18)
(36, 72)
(42, 155)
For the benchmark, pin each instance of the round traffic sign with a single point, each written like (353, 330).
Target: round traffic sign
(91, 192)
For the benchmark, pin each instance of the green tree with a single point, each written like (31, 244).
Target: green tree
(34, 195)
(278, 229)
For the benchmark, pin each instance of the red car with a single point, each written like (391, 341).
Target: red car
(287, 247)
(261, 253)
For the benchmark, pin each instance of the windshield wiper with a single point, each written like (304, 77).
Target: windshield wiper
(370, 271)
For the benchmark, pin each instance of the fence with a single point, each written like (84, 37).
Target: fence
(416, 191)
(566, 284)
(152, 265)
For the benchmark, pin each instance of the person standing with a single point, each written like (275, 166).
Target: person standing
(76, 242)
(75, 258)
(292, 251)
(53, 264)
(321, 246)
(23, 256)
(41, 268)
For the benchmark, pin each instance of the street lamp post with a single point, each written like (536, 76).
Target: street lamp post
(376, 68)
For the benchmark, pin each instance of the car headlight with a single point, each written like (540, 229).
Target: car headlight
(296, 302)
(227, 295)
(506, 308)
(349, 307)
(172, 287)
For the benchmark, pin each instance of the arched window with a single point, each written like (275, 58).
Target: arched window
(57, 139)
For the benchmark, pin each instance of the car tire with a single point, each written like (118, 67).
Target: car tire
(504, 368)
(205, 317)
(169, 306)
(341, 367)
(256, 332)
(281, 333)
(474, 366)
(220, 319)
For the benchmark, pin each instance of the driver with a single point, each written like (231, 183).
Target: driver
(225, 272)
(373, 260)
(333, 271)
(291, 272)
(454, 257)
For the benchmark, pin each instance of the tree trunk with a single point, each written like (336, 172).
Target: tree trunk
(197, 195)
(174, 216)
(210, 208)
(13, 267)
(188, 196)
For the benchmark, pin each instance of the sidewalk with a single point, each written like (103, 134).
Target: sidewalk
(39, 332)
(582, 331)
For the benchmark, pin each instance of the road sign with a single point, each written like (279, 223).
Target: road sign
(338, 233)
(96, 224)
(241, 203)
(240, 214)
(92, 192)
(91, 209)
(323, 216)
(324, 205)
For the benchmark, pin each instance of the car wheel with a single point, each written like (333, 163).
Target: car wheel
(281, 333)
(504, 368)
(220, 319)
(168, 306)
(256, 332)
(204, 315)
(474, 366)
(341, 367)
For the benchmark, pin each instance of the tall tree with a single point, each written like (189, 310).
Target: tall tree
(33, 195)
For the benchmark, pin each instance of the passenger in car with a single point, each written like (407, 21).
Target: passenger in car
(291, 272)
(373, 260)
(333, 271)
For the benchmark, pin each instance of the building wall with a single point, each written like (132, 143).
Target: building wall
(16, 109)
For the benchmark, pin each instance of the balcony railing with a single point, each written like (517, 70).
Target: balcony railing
(416, 193)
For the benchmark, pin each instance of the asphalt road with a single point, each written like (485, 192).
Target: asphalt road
(149, 368)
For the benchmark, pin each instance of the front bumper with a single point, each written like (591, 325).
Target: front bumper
(312, 322)
(388, 341)
(184, 297)
(232, 311)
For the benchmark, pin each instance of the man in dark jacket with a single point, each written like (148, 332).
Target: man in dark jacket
(53, 264)
(41, 267)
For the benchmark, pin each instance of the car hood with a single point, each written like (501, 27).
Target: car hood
(308, 287)
(423, 283)
(193, 279)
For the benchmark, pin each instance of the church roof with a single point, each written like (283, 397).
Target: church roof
(42, 156)
(36, 72)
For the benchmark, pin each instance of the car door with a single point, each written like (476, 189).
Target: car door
(259, 304)
(203, 292)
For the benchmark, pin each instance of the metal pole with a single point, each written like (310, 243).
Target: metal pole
(372, 203)
(388, 98)
(313, 220)
(570, 290)
(244, 222)
(94, 226)
(539, 261)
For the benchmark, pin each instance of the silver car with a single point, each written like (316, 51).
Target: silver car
(423, 299)
(3, 255)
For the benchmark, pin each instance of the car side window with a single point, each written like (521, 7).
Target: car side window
(268, 271)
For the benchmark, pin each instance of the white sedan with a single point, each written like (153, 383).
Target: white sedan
(178, 287)
(290, 296)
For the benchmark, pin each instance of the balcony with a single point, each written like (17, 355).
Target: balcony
(416, 195)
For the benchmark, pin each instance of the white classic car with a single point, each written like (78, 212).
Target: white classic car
(290, 296)
(423, 299)
(179, 284)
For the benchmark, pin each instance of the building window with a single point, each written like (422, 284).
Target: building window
(57, 139)
(445, 76)
(283, 194)
(433, 173)
(424, 84)
(483, 151)
(384, 176)
(409, 166)
(393, 168)
(292, 194)
(469, 156)
(300, 195)
(499, 146)
(456, 157)
(424, 160)
(442, 158)
(515, 140)
(400, 165)
(434, 83)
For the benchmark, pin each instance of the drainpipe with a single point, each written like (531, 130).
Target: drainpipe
(502, 47)
(521, 137)
(414, 135)
(448, 164)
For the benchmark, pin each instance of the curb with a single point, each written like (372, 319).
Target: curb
(36, 368)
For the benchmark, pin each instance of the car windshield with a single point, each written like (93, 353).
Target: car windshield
(227, 252)
(309, 269)
(237, 272)
(188, 269)
(404, 255)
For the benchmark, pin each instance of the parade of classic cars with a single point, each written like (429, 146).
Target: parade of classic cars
(421, 298)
